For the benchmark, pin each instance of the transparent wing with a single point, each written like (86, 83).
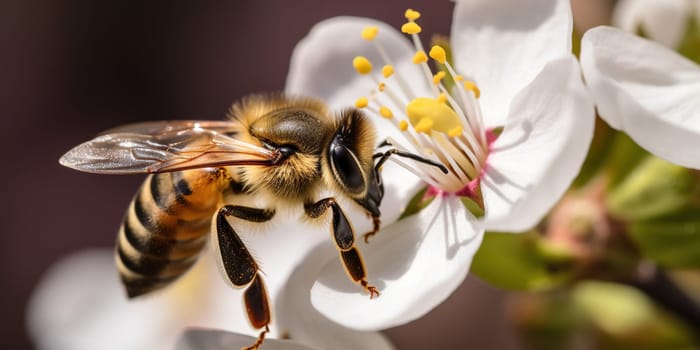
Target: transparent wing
(161, 127)
(155, 147)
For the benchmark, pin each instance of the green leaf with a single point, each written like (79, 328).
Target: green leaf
(653, 189)
(670, 242)
(622, 157)
(518, 262)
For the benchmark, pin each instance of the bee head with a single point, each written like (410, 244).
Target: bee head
(350, 159)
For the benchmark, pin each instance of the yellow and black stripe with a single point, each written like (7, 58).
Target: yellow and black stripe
(166, 227)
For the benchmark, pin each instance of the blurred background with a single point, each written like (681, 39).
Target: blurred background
(70, 69)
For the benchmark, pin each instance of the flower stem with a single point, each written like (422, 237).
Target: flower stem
(657, 285)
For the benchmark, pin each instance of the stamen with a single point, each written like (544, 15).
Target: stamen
(411, 28)
(387, 70)
(411, 14)
(386, 112)
(361, 102)
(381, 87)
(438, 53)
(438, 77)
(457, 160)
(420, 57)
(408, 93)
(362, 65)
(469, 85)
(457, 155)
(369, 33)
(403, 125)
(475, 153)
(465, 102)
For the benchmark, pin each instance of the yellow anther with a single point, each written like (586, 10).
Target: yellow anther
(387, 70)
(411, 14)
(473, 88)
(420, 57)
(386, 112)
(362, 65)
(403, 125)
(442, 117)
(361, 102)
(459, 78)
(381, 87)
(456, 131)
(437, 77)
(442, 98)
(410, 28)
(369, 33)
(438, 53)
(424, 125)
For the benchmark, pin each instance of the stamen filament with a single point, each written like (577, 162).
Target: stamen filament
(466, 101)
(426, 69)
(458, 156)
(399, 80)
(475, 154)
(456, 166)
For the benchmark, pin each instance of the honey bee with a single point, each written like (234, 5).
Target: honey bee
(284, 150)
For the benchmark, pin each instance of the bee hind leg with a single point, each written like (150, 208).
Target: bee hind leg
(344, 242)
(240, 267)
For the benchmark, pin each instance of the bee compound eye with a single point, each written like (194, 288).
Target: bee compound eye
(347, 168)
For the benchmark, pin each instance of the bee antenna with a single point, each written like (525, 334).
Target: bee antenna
(383, 156)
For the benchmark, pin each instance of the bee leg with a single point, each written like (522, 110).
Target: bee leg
(344, 242)
(240, 267)
(376, 222)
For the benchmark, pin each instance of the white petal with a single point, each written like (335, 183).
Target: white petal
(304, 323)
(416, 263)
(503, 45)
(80, 304)
(206, 339)
(321, 64)
(645, 90)
(541, 149)
(664, 21)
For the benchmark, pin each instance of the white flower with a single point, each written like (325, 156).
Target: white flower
(514, 69)
(665, 21)
(80, 303)
(645, 90)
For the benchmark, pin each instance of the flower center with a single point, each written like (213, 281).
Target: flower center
(442, 123)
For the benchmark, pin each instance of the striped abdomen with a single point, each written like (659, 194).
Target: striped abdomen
(166, 227)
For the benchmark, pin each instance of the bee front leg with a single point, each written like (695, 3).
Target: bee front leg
(240, 267)
(344, 242)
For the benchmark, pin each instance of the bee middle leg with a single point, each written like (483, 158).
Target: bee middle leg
(344, 242)
(240, 267)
